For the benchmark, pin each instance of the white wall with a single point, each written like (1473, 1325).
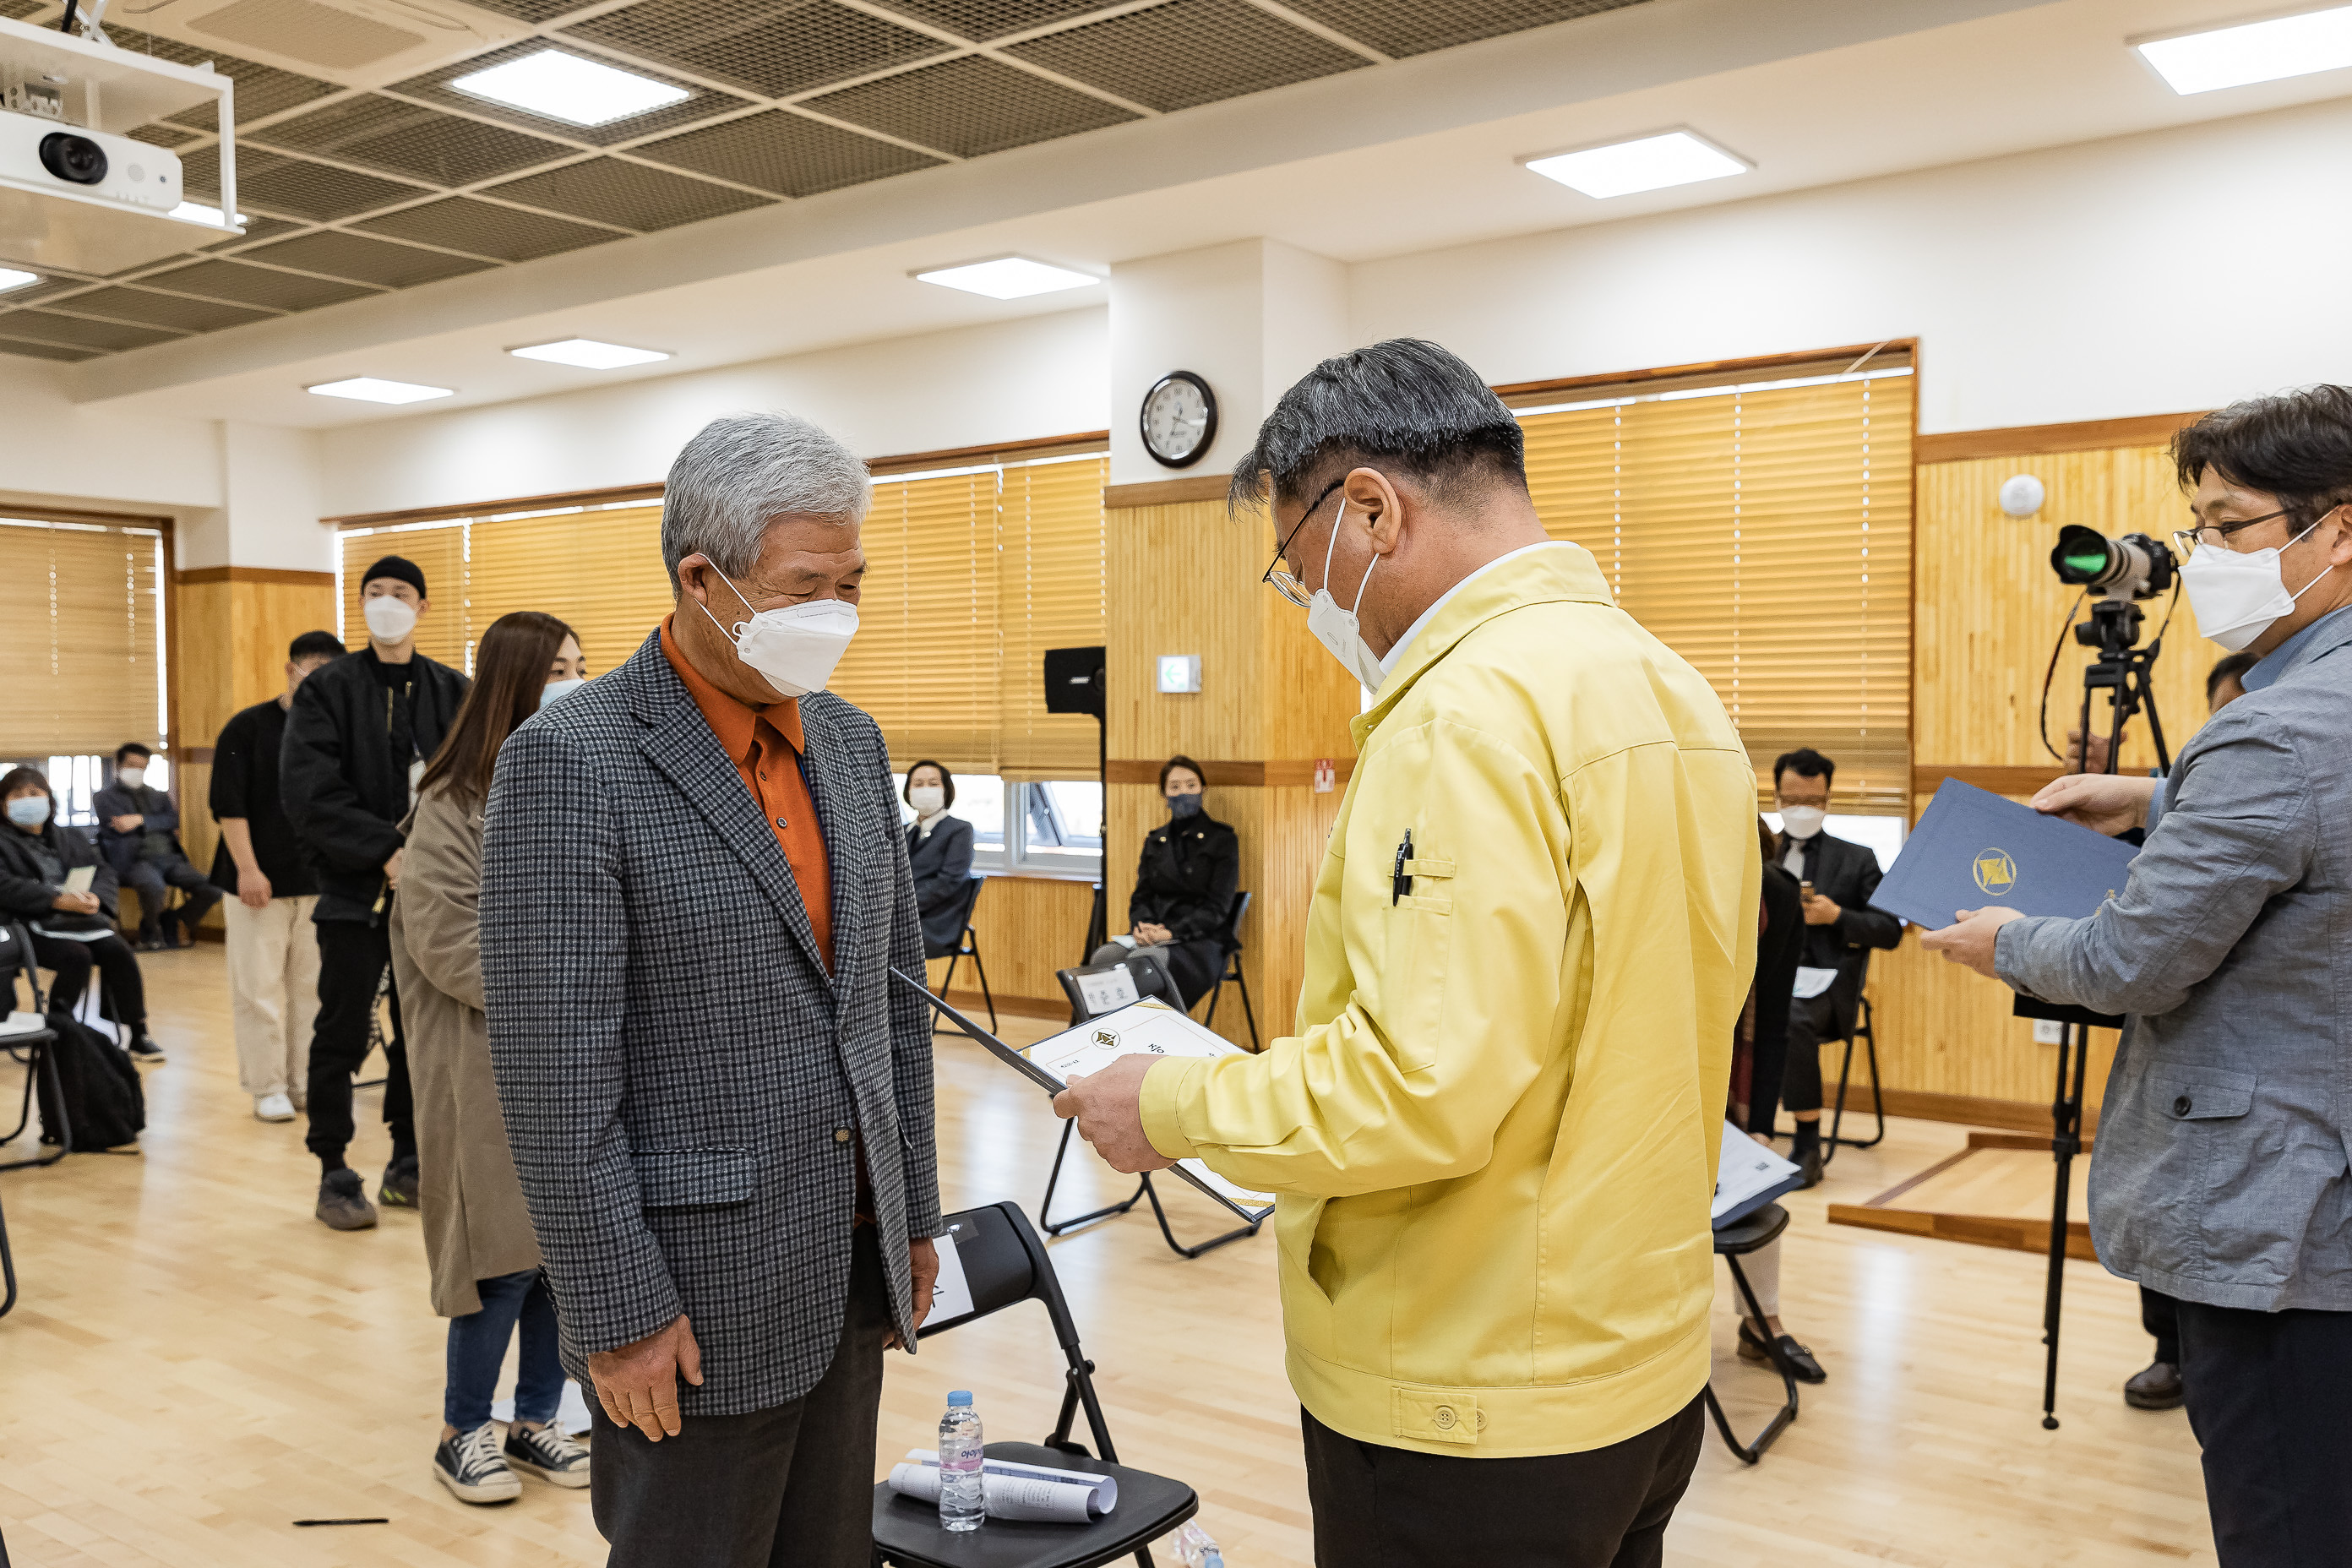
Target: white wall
(1041, 375)
(53, 451)
(2148, 274)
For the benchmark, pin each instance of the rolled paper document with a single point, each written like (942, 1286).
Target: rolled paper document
(1029, 1493)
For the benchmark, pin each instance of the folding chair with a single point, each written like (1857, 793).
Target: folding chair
(967, 946)
(1229, 940)
(1151, 980)
(31, 1041)
(1005, 1262)
(1864, 1031)
(1732, 1243)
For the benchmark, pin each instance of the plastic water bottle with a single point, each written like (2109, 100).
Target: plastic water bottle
(1196, 1548)
(961, 1505)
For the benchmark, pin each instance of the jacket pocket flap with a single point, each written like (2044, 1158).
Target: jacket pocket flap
(1438, 1414)
(685, 1178)
(2200, 1099)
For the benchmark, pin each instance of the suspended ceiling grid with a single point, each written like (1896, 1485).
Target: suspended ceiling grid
(354, 186)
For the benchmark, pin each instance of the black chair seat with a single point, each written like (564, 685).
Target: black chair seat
(906, 1532)
(1745, 1234)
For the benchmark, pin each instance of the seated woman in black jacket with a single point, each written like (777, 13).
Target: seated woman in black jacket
(72, 933)
(1183, 887)
(939, 851)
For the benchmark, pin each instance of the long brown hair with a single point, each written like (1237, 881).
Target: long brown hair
(509, 669)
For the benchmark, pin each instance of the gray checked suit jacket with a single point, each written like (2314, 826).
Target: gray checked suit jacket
(2219, 1174)
(682, 1080)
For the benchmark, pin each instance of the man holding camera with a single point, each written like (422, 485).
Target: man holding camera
(2220, 1176)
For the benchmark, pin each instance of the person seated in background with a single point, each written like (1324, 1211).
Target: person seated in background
(1183, 888)
(1840, 930)
(72, 933)
(939, 852)
(484, 1258)
(139, 833)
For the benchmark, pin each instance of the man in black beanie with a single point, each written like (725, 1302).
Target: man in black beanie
(357, 737)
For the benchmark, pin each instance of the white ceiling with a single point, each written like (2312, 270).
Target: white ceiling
(1813, 92)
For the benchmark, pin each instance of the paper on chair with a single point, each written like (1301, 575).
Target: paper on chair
(951, 1292)
(1811, 983)
(1111, 988)
(1029, 1493)
(78, 879)
(1747, 1175)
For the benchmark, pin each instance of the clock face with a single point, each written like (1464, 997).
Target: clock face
(1180, 418)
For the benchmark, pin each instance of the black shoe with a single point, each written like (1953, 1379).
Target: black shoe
(1799, 1357)
(2157, 1388)
(143, 1048)
(399, 1188)
(342, 1202)
(151, 943)
(1808, 1163)
(470, 1465)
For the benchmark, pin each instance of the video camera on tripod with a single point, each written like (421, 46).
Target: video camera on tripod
(2122, 573)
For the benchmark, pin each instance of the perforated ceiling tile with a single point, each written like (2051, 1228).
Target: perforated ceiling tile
(628, 195)
(405, 138)
(20, 9)
(363, 259)
(260, 90)
(485, 229)
(149, 309)
(784, 152)
(969, 106)
(1186, 52)
(43, 326)
(320, 35)
(255, 286)
(43, 289)
(1402, 27)
(257, 229)
(985, 19)
(533, 11)
(701, 104)
(163, 135)
(294, 186)
(42, 351)
(774, 47)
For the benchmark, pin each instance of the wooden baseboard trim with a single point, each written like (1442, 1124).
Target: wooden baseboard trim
(1928, 777)
(1278, 773)
(972, 1005)
(1978, 1230)
(1167, 492)
(1967, 1110)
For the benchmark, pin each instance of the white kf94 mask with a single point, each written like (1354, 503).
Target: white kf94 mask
(794, 647)
(1337, 629)
(2237, 594)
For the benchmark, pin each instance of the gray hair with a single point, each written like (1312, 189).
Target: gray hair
(743, 471)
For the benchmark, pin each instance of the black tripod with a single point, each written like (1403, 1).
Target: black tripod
(2121, 669)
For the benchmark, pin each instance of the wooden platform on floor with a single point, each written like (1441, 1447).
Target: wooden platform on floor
(1997, 1192)
(196, 1362)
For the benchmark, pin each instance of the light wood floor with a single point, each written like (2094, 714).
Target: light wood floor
(196, 1362)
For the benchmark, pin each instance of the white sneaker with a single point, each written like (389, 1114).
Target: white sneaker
(470, 1465)
(272, 1107)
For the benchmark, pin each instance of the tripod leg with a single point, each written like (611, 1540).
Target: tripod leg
(2066, 1121)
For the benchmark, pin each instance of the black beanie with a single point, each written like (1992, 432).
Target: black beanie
(400, 569)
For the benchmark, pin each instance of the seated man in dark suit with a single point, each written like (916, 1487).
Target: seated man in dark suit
(1840, 927)
(139, 833)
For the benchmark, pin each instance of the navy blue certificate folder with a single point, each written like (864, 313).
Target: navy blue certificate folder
(1973, 848)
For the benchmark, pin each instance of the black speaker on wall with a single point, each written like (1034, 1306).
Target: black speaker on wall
(1074, 680)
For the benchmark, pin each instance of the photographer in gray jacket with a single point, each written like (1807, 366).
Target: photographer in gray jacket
(2220, 1172)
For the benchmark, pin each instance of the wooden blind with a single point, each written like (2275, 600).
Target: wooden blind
(1054, 594)
(598, 572)
(1764, 533)
(80, 611)
(438, 550)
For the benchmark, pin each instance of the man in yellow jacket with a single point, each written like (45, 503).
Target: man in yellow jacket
(1494, 1132)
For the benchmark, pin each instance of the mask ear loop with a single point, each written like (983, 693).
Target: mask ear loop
(2298, 539)
(735, 632)
(1337, 518)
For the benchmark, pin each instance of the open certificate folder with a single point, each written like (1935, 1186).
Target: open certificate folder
(1034, 1494)
(1149, 1027)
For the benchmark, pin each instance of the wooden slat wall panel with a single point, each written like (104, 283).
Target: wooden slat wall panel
(1027, 927)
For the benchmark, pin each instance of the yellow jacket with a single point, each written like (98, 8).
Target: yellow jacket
(1494, 1134)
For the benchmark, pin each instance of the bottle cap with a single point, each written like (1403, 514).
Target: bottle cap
(960, 1399)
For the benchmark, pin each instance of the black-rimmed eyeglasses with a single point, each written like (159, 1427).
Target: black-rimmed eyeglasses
(1278, 574)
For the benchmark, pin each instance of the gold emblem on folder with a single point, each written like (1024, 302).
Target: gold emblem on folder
(1996, 873)
(1105, 1038)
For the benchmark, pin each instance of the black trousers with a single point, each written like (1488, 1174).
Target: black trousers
(352, 957)
(112, 957)
(2268, 1394)
(1378, 1507)
(2159, 1314)
(151, 877)
(1812, 1020)
(745, 1491)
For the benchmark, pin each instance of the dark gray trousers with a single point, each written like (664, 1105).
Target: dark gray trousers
(2267, 1397)
(744, 1491)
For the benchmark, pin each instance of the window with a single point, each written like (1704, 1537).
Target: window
(1761, 530)
(82, 608)
(1051, 828)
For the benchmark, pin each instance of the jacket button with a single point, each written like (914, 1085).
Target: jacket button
(841, 1134)
(1444, 1418)
(2183, 1106)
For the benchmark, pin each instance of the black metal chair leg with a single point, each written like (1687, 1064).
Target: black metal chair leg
(41, 1078)
(1170, 1236)
(1051, 1227)
(982, 969)
(1215, 991)
(1749, 1453)
(8, 1271)
(1248, 1013)
(1868, 1033)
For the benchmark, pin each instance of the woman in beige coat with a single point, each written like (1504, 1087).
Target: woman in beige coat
(477, 1235)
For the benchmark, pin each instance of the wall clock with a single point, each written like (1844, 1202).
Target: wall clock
(1179, 418)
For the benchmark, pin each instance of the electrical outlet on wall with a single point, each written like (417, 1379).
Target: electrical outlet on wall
(2049, 1032)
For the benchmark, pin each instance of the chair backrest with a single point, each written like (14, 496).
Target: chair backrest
(16, 957)
(1150, 980)
(1230, 936)
(972, 887)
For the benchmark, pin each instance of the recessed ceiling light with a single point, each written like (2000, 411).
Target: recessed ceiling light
(12, 279)
(372, 389)
(2252, 51)
(1008, 278)
(588, 353)
(196, 212)
(569, 88)
(1646, 164)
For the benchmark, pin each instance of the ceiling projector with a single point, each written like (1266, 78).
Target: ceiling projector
(35, 150)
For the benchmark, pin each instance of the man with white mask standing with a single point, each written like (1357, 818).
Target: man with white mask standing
(694, 889)
(1494, 1128)
(2220, 1176)
(357, 737)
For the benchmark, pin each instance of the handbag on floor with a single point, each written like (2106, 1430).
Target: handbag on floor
(104, 1104)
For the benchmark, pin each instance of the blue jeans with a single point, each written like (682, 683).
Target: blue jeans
(477, 1347)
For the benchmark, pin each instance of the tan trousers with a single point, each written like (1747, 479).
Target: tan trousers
(273, 976)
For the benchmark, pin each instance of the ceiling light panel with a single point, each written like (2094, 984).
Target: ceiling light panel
(2254, 51)
(588, 353)
(572, 89)
(1645, 164)
(12, 279)
(373, 389)
(1008, 278)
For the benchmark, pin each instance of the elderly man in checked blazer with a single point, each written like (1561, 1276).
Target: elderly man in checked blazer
(693, 889)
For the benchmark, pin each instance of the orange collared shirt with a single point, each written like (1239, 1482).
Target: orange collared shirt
(765, 746)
